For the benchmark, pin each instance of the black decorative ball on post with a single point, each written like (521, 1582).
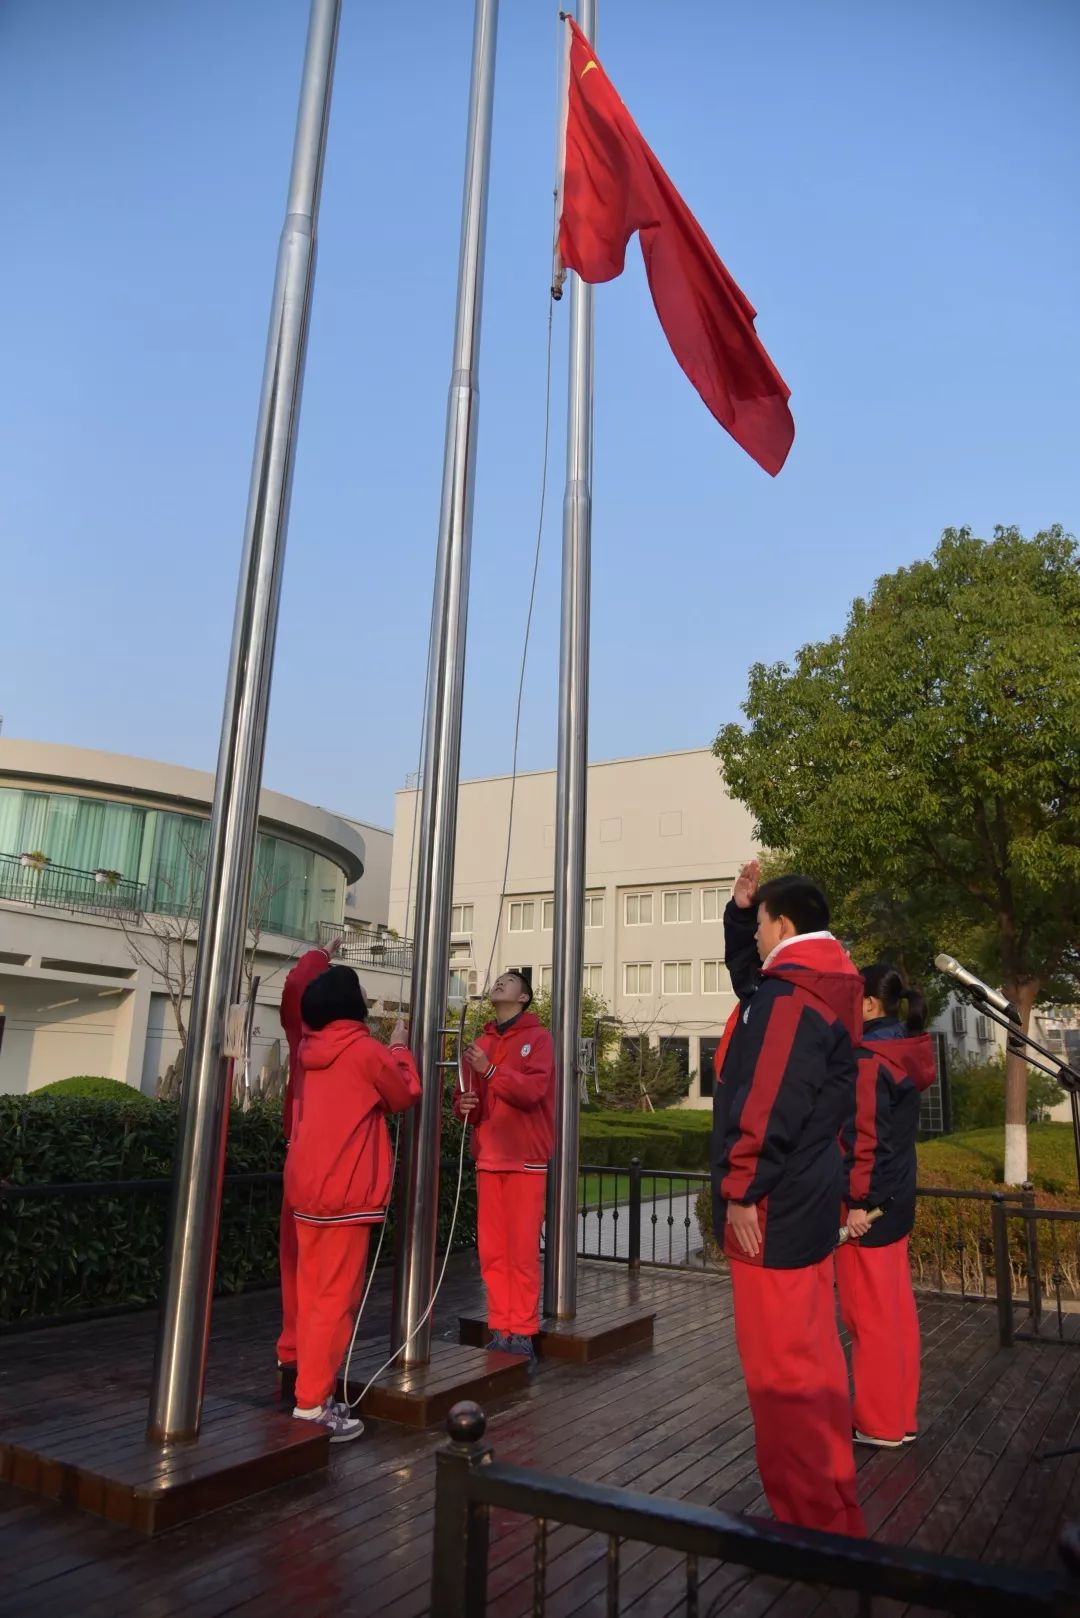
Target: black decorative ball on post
(466, 1423)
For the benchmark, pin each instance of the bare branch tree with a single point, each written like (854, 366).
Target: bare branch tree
(164, 940)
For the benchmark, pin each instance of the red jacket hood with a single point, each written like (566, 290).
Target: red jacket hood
(526, 1020)
(823, 969)
(914, 1056)
(321, 1048)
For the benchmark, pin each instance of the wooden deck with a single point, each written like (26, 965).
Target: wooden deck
(672, 1419)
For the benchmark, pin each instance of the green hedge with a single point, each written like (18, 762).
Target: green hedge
(69, 1255)
(92, 1086)
(672, 1139)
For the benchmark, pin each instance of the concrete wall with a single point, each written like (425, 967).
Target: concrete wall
(367, 902)
(654, 825)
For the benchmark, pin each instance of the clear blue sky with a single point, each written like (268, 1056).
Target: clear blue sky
(894, 185)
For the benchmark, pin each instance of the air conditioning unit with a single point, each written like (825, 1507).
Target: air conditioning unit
(959, 1019)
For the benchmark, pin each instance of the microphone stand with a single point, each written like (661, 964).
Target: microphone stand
(1021, 1044)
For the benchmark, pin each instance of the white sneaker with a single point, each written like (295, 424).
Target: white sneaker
(341, 1426)
(878, 1443)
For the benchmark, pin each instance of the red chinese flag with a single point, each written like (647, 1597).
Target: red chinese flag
(613, 186)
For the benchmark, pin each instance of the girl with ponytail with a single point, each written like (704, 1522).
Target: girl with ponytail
(895, 1065)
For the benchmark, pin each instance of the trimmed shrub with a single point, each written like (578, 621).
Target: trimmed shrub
(65, 1255)
(92, 1087)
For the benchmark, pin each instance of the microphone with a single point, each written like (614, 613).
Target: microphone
(982, 991)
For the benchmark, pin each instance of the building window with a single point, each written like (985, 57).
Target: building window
(677, 1047)
(592, 979)
(678, 977)
(678, 907)
(959, 1019)
(547, 915)
(713, 903)
(638, 910)
(458, 991)
(521, 916)
(707, 1068)
(594, 910)
(637, 977)
(461, 918)
(545, 980)
(713, 977)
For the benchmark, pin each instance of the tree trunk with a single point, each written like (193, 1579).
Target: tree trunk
(1016, 1082)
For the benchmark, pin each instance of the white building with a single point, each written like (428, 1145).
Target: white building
(664, 843)
(101, 864)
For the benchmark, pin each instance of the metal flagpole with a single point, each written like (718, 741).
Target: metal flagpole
(560, 1247)
(184, 1326)
(418, 1186)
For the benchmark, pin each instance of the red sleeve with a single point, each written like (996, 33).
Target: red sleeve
(310, 966)
(525, 1082)
(867, 1144)
(395, 1078)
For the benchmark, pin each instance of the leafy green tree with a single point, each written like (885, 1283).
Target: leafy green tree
(641, 1078)
(924, 765)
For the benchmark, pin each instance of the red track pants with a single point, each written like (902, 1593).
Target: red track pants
(329, 1283)
(796, 1379)
(509, 1214)
(286, 1343)
(877, 1306)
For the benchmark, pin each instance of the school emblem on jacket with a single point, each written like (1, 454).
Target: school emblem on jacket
(526, 1050)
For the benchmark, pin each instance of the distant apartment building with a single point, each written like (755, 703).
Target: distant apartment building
(664, 843)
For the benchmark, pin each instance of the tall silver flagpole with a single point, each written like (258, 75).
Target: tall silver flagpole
(418, 1186)
(184, 1328)
(560, 1255)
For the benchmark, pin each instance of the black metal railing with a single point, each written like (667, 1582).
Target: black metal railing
(368, 948)
(1049, 1253)
(974, 1246)
(62, 887)
(470, 1483)
(633, 1215)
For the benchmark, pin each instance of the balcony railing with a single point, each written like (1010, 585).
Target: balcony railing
(62, 887)
(365, 947)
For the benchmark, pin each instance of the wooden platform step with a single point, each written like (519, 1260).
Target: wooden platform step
(423, 1395)
(594, 1331)
(102, 1462)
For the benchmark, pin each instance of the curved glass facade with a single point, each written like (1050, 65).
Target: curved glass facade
(293, 889)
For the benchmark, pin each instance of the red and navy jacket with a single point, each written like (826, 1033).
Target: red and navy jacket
(341, 1163)
(310, 966)
(786, 1086)
(513, 1128)
(878, 1139)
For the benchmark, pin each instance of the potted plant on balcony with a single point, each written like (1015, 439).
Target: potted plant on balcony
(36, 860)
(108, 879)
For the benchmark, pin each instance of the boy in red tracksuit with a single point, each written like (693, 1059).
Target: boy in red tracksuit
(338, 1178)
(310, 966)
(510, 1104)
(786, 1085)
(873, 1274)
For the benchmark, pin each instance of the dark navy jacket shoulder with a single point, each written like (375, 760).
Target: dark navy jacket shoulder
(785, 1088)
